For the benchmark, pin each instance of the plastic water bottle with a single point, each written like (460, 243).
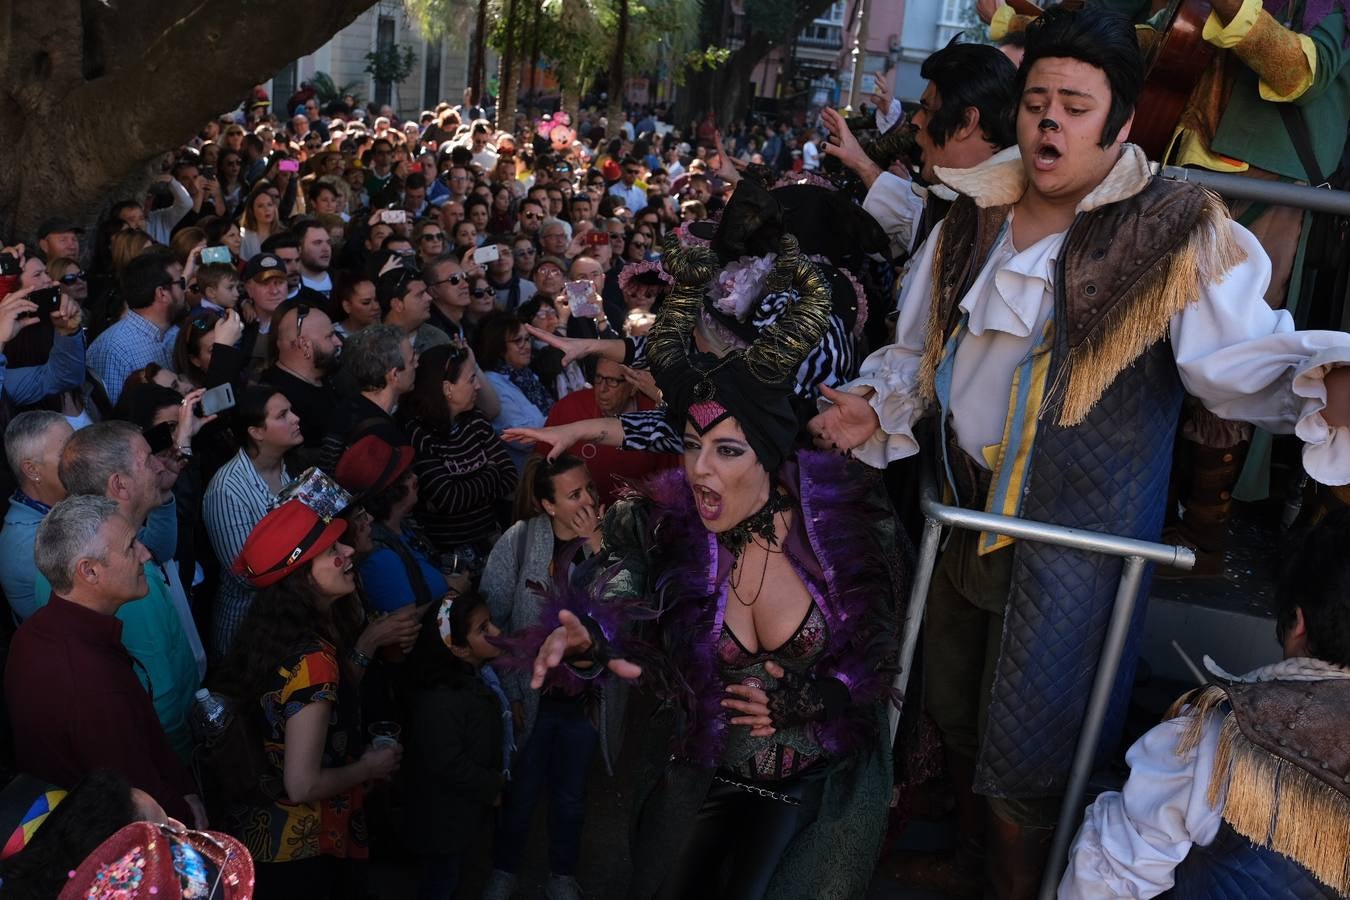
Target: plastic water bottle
(211, 716)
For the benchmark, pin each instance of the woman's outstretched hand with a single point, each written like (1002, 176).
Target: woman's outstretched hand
(571, 638)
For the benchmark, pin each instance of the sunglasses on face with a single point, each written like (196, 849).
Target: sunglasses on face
(452, 280)
(180, 281)
(480, 293)
(639, 245)
(73, 277)
(433, 236)
(524, 251)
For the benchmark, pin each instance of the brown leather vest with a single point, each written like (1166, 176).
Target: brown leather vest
(1124, 271)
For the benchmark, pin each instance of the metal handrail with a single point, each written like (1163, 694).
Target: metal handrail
(1136, 554)
(1261, 190)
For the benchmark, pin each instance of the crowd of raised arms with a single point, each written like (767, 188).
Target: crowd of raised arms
(366, 476)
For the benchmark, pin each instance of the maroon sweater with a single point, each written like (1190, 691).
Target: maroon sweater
(76, 705)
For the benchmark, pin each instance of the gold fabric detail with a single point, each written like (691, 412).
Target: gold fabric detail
(1269, 801)
(1279, 58)
(1142, 316)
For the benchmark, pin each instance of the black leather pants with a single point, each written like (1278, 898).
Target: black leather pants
(737, 840)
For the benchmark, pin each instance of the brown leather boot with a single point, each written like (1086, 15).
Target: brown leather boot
(1017, 855)
(1208, 502)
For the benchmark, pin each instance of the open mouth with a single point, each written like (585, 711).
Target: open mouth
(709, 503)
(1047, 156)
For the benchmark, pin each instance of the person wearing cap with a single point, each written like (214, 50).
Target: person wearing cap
(265, 286)
(400, 572)
(298, 675)
(154, 289)
(72, 689)
(59, 237)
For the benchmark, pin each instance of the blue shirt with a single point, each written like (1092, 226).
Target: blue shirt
(63, 371)
(130, 343)
(18, 571)
(388, 587)
(635, 198)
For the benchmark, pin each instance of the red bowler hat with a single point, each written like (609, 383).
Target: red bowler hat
(286, 538)
(371, 465)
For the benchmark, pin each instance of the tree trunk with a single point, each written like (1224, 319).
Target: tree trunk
(617, 74)
(90, 94)
(506, 101)
(478, 70)
(536, 17)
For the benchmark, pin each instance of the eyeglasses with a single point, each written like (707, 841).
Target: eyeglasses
(606, 381)
(433, 235)
(531, 215)
(546, 312)
(180, 281)
(524, 251)
(452, 280)
(480, 293)
(639, 245)
(72, 277)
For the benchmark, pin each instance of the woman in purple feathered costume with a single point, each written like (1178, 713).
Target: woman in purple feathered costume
(755, 593)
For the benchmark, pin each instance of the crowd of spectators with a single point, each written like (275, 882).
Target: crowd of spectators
(254, 431)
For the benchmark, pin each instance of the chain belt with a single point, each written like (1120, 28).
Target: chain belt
(757, 790)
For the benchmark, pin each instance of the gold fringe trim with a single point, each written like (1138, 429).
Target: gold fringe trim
(1142, 317)
(936, 335)
(1270, 801)
(1275, 804)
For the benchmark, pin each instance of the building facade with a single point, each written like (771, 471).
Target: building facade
(927, 27)
(816, 69)
(440, 73)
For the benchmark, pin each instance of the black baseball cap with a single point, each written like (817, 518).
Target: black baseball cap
(263, 265)
(58, 226)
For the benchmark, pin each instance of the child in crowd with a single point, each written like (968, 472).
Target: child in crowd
(459, 740)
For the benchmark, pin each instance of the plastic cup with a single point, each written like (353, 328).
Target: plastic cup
(384, 734)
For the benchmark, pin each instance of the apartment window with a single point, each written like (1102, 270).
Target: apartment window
(283, 86)
(431, 74)
(384, 41)
(955, 17)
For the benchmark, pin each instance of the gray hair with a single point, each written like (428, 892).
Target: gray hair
(372, 352)
(68, 534)
(550, 222)
(24, 437)
(432, 271)
(95, 454)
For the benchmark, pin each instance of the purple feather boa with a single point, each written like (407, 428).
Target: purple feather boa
(689, 592)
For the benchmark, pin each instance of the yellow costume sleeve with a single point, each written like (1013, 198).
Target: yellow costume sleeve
(1284, 60)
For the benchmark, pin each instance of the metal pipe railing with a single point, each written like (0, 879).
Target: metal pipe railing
(1261, 190)
(1135, 553)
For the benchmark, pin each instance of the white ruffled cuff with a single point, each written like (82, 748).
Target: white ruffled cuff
(898, 406)
(1326, 451)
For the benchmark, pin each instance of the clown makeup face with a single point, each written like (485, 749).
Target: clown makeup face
(728, 480)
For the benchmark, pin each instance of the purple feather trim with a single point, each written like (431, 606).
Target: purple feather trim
(689, 599)
(520, 648)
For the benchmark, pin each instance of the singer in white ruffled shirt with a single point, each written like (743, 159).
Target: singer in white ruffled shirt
(1239, 357)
